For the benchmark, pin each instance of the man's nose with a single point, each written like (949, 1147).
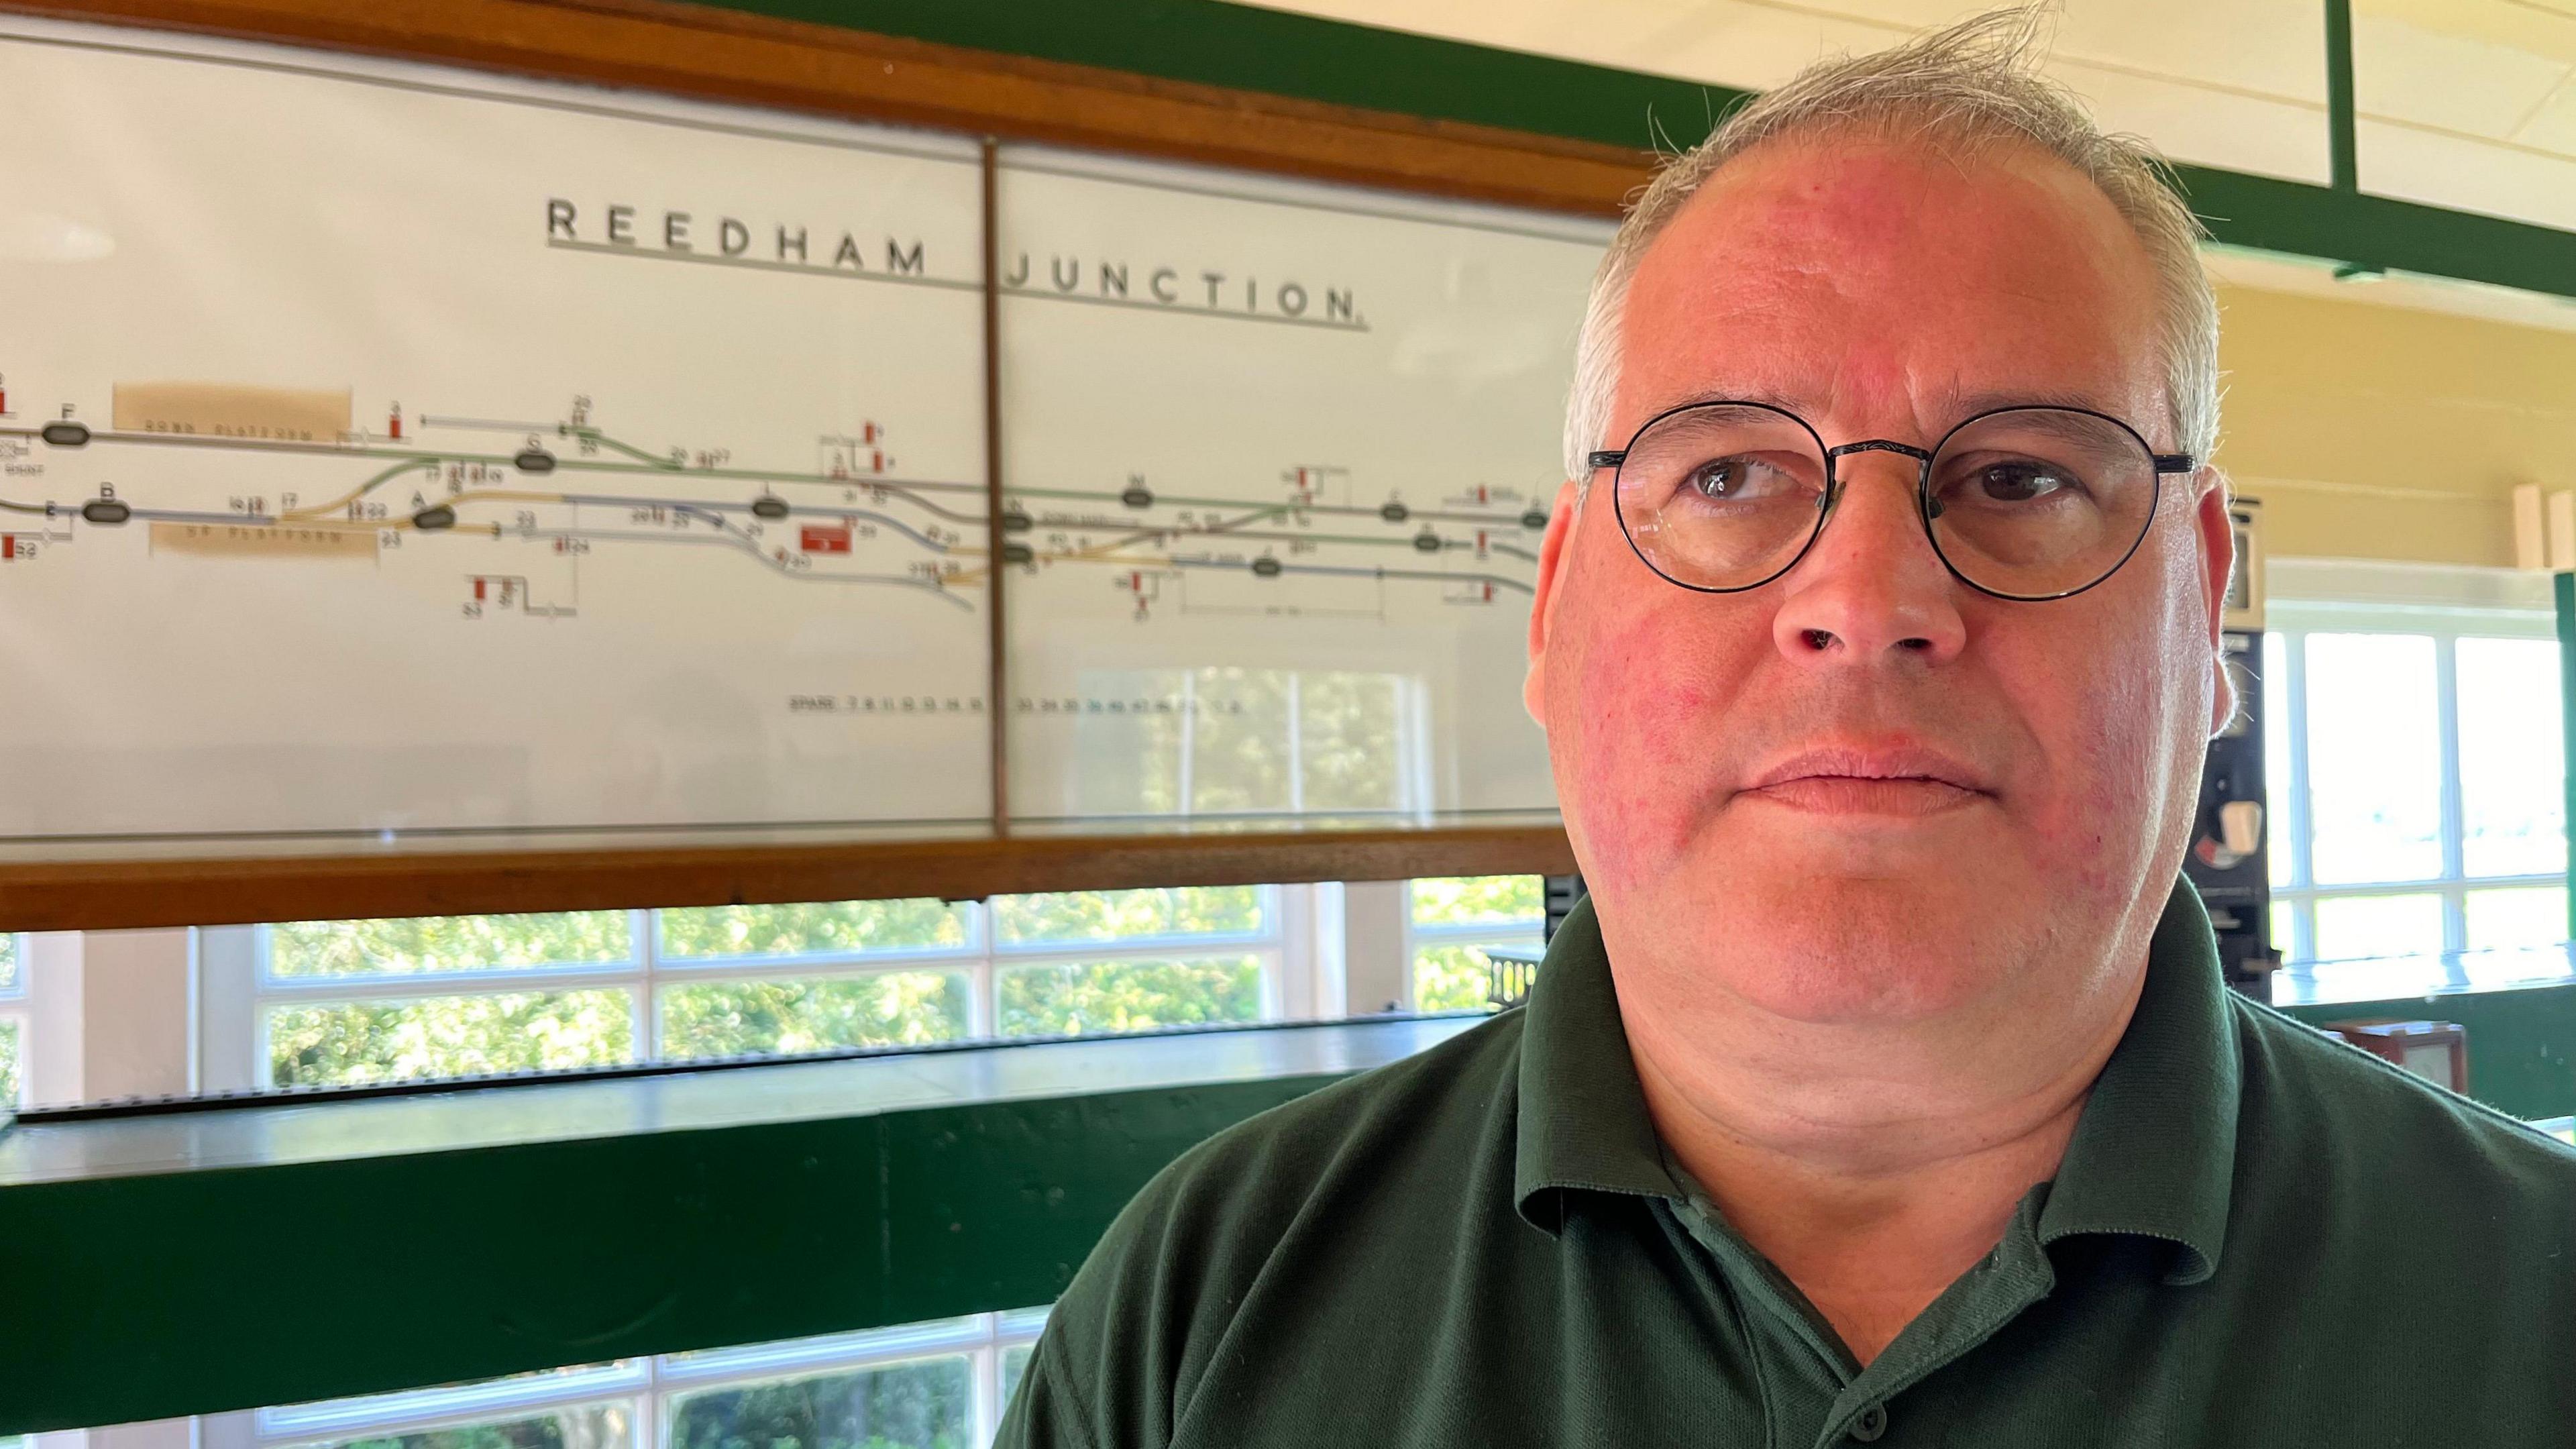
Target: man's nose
(1871, 589)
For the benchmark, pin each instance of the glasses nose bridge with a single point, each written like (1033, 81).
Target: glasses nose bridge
(1834, 463)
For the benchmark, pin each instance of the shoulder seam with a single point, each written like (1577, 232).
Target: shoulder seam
(1043, 1362)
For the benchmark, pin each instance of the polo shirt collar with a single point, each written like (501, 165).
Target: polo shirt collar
(1583, 1120)
(2153, 1153)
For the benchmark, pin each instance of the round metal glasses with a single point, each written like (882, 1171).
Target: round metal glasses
(2023, 503)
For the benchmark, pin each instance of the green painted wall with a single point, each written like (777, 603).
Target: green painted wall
(2522, 1043)
(1245, 48)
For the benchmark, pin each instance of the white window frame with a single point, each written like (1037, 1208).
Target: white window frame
(651, 1387)
(2446, 605)
(239, 991)
(15, 1012)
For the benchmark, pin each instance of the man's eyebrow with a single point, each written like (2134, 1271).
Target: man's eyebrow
(1952, 408)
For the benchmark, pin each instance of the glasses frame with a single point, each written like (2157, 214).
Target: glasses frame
(1616, 458)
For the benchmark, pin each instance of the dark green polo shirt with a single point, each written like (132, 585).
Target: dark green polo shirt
(2259, 1236)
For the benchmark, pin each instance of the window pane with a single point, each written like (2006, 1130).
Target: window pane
(921, 1404)
(376, 1041)
(2285, 930)
(1451, 978)
(9, 1082)
(1110, 915)
(446, 943)
(833, 926)
(1475, 900)
(2276, 767)
(8, 980)
(2513, 804)
(2525, 916)
(2374, 759)
(1127, 995)
(2359, 926)
(587, 1426)
(729, 1018)
(1237, 730)
(1015, 1366)
(1346, 741)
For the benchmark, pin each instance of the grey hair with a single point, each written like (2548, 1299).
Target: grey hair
(1971, 84)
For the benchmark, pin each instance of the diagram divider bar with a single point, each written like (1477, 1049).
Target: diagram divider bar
(994, 713)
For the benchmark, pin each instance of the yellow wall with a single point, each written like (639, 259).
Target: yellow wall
(2384, 433)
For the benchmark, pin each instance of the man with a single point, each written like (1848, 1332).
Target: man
(1887, 1090)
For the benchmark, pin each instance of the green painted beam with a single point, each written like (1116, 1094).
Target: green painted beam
(1243, 47)
(218, 1260)
(2343, 151)
(2522, 1041)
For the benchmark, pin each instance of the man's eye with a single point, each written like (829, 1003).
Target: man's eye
(1733, 479)
(2019, 482)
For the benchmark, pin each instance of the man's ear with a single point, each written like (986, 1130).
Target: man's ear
(2217, 538)
(1551, 580)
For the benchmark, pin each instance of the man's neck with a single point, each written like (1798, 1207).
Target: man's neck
(1872, 1190)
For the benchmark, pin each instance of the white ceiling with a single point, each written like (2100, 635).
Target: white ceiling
(2469, 104)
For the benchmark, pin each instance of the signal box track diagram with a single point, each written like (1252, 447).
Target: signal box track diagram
(504, 456)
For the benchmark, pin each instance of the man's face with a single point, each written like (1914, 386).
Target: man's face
(1865, 792)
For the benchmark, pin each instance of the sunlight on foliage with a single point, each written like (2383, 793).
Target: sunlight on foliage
(589, 1426)
(1110, 915)
(1475, 900)
(1449, 978)
(376, 1041)
(837, 926)
(447, 943)
(921, 1404)
(730, 1018)
(1114, 996)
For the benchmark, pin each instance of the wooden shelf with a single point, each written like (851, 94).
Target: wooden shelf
(199, 889)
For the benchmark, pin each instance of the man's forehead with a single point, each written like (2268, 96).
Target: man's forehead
(1904, 279)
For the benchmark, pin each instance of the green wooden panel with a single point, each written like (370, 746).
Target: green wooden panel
(279, 1254)
(1247, 48)
(2522, 1042)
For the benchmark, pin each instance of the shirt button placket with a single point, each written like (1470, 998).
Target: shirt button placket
(1869, 1423)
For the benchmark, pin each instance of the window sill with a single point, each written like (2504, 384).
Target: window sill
(2450, 973)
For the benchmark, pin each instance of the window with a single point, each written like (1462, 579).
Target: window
(1229, 740)
(1449, 919)
(940, 1385)
(13, 1028)
(341, 1002)
(2416, 778)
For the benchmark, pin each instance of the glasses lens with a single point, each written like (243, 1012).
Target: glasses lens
(2037, 502)
(1724, 496)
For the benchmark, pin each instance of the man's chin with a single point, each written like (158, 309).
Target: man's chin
(1810, 939)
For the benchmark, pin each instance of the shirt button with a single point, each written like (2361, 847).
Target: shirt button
(1870, 1423)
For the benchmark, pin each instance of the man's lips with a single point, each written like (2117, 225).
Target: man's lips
(1904, 780)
